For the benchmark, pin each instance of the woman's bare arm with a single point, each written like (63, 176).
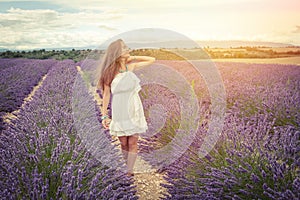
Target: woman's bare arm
(141, 61)
(105, 102)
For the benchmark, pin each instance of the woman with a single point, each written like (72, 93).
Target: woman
(117, 78)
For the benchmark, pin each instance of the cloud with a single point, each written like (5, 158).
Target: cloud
(18, 19)
(78, 22)
(43, 27)
(105, 27)
(48, 19)
(32, 40)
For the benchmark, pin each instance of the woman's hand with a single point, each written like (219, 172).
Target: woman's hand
(106, 122)
(131, 58)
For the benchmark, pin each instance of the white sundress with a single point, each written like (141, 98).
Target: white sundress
(127, 109)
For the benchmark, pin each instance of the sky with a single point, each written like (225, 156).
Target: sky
(35, 24)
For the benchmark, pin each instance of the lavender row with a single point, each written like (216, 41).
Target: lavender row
(42, 155)
(10, 62)
(18, 80)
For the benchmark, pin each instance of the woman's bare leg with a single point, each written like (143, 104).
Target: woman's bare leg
(124, 147)
(132, 154)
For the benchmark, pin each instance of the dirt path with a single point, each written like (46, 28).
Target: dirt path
(148, 185)
(146, 179)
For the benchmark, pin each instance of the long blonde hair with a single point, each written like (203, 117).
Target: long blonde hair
(110, 64)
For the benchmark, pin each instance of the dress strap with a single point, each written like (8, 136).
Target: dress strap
(123, 70)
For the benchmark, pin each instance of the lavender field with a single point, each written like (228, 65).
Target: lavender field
(256, 156)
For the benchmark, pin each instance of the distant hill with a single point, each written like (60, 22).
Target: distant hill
(175, 44)
(201, 43)
(3, 50)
